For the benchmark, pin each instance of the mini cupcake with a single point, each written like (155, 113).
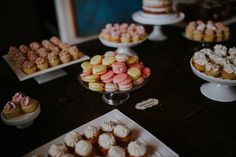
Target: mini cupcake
(55, 40)
(115, 37)
(12, 52)
(219, 35)
(28, 105)
(84, 148)
(64, 46)
(116, 151)
(105, 141)
(108, 126)
(24, 49)
(226, 32)
(53, 59)
(189, 30)
(29, 67)
(74, 52)
(42, 52)
(57, 150)
(209, 35)
(32, 56)
(137, 149)
(91, 133)
(228, 72)
(122, 133)
(212, 70)
(65, 56)
(11, 110)
(17, 98)
(197, 35)
(199, 63)
(41, 63)
(125, 38)
(35, 46)
(71, 139)
(19, 59)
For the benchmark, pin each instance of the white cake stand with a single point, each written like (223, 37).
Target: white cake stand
(157, 21)
(217, 89)
(122, 47)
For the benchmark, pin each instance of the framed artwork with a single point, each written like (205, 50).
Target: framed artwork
(81, 20)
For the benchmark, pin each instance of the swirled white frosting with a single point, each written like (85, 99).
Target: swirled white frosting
(220, 49)
(83, 148)
(137, 148)
(106, 140)
(91, 131)
(201, 61)
(108, 126)
(56, 150)
(232, 51)
(208, 66)
(71, 138)
(207, 51)
(121, 131)
(116, 151)
(199, 54)
(228, 68)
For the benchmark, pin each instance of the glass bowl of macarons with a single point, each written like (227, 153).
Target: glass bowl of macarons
(123, 36)
(20, 111)
(114, 75)
(216, 65)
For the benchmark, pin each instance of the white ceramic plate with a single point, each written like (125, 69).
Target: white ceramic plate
(22, 121)
(159, 149)
(22, 76)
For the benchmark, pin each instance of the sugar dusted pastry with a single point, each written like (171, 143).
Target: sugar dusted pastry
(84, 148)
(137, 149)
(116, 151)
(11, 110)
(28, 104)
(57, 150)
(105, 141)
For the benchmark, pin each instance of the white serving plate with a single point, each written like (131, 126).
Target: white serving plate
(22, 76)
(158, 148)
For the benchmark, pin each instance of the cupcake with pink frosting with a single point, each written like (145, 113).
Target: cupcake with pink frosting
(11, 110)
(29, 67)
(28, 104)
(53, 59)
(41, 63)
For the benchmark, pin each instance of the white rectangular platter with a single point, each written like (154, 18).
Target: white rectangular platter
(22, 76)
(159, 149)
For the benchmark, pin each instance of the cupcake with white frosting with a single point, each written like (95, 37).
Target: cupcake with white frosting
(122, 133)
(105, 141)
(108, 126)
(57, 150)
(84, 148)
(71, 139)
(228, 72)
(137, 149)
(91, 133)
(116, 151)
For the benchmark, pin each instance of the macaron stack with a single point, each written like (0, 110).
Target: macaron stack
(112, 72)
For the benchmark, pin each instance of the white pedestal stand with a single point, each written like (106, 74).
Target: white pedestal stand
(217, 89)
(157, 21)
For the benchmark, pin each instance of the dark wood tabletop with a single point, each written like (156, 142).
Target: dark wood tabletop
(185, 120)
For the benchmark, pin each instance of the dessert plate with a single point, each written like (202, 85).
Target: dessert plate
(22, 121)
(157, 148)
(122, 47)
(117, 97)
(217, 89)
(22, 76)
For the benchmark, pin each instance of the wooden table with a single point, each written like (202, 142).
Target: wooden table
(186, 121)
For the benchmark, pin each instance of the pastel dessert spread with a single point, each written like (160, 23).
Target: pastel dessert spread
(207, 31)
(123, 33)
(219, 62)
(40, 56)
(112, 72)
(110, 142)
(19, 106)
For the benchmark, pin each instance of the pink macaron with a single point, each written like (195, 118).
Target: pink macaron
(138, 81)
(119, 67)
(86, 73)
(111, 87)
(146, 72)
(125, 87)
(120, 78)
(128, 80)
(107, 77)
(138, 65)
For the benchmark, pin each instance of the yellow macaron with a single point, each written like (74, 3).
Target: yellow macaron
(86, 66)
(134, 73)
(97, 86)
(96, 60)
(108, 61)
(90, 78)
(99, 69)
(132, 60)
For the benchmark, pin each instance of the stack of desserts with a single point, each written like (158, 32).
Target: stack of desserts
(111, 139)
(219, 62)
(19, 105)
(40, 56)
(207, 32)
(123, 33)
(112, 72)
(157, 6)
